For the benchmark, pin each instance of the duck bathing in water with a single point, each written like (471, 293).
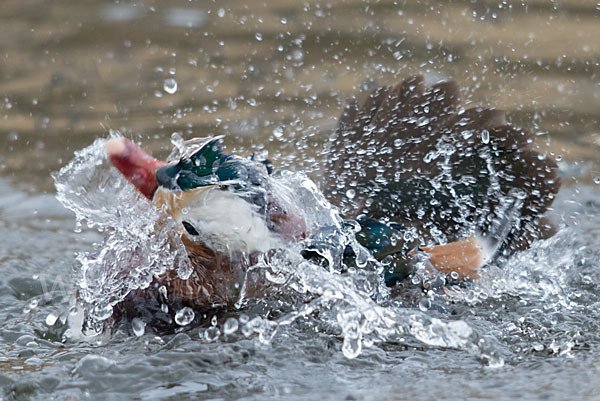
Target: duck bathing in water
(467, 185)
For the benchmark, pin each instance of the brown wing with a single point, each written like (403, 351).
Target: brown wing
(414, 155)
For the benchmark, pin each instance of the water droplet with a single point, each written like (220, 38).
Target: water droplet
(350, 194)
(283, 21)
(231, 325)
(51, 319)
(162, 290)
(213, 320)
(485, 136)
(138, 326)
(170, 86)
(184, 316)
(424, 304)
(221, 12)
(471, 296)
(422, 121)
(212, 334)
(278, 131)
(258, 36)
(430, 156)
(297, 55)
(597, 180)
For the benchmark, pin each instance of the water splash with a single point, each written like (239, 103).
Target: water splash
(348, 300)
(540, 274)
(135, 247)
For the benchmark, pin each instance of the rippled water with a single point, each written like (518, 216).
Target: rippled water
(527, 331)
(273, 78)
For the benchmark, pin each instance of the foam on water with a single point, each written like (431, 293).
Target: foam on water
(350, 301)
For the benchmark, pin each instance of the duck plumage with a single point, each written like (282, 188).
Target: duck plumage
(413, 160)
(412, 155)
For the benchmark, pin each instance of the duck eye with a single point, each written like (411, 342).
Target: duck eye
(189, 228)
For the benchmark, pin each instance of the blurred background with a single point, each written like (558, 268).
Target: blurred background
(274, 76)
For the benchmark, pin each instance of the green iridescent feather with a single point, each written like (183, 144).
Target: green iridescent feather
(386, 242)
(208, 166)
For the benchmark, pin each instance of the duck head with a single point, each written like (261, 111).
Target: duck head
(227, 202)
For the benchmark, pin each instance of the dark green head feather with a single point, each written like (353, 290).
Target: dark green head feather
(209, 166)
(386, 242)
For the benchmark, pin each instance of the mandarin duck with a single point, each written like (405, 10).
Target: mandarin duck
(228, 212)
(415, 170)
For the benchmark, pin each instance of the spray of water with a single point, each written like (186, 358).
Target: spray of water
(350, 300)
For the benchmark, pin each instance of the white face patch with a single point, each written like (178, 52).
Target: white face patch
(224, 221)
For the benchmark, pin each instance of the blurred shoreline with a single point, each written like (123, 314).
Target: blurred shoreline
(275, 77)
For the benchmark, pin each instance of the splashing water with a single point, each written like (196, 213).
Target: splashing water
(347, 301)
(102, 198)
